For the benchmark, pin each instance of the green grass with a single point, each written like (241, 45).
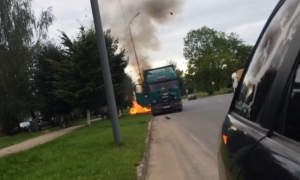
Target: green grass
(83, 120)
(87, 153)
(11, 140)
(16, 139)
(223, 91)
(6, 141)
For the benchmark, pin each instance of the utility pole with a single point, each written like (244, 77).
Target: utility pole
(137, 60)
(106, 72)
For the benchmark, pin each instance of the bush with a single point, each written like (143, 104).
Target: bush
(224, 90)
(202, 94)
(9, 125)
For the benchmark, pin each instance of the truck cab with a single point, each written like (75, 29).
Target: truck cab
(160, 90)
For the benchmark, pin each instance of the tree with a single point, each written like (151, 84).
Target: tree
(212, 57)
(49, 105)
(78, 77)
(21, 34)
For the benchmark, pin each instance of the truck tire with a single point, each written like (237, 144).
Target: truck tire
(180, 109)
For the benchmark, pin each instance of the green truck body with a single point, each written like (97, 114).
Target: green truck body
(161, 90)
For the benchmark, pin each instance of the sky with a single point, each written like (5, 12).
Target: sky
(244, 17)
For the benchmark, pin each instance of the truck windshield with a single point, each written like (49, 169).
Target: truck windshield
(162, 70)
(163, 85)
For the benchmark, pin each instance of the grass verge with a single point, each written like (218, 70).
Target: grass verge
(205, 94)
(18, 138)
(82, 121)
(198, 94)
(6, 141)
(87, 153)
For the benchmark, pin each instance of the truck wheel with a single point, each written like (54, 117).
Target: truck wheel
(180, 109)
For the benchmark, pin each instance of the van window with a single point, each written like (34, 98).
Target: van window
(267, 59)
(291, 127)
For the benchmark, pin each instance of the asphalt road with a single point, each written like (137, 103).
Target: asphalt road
(184, 145)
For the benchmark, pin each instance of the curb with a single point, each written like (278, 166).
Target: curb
(142, 169)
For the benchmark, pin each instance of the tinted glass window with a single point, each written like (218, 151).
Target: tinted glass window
(158, 71)
(292, 121)
(267, 59)
(164, 85)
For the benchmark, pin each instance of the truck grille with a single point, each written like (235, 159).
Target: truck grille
(165, 106)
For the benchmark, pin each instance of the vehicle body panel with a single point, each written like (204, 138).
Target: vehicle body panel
(250, 149)
(237, 140)
(271, 160)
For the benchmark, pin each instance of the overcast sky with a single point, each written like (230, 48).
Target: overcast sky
(244, 17)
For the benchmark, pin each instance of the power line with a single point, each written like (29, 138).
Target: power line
(123, 13)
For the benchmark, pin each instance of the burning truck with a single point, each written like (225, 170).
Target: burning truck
(160, 91)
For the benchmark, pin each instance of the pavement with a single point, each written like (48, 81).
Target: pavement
(28, 144)
(184, 145)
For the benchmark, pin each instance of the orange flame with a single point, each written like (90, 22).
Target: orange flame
(137, 109)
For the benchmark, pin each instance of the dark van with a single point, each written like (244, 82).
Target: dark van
(260, 137)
